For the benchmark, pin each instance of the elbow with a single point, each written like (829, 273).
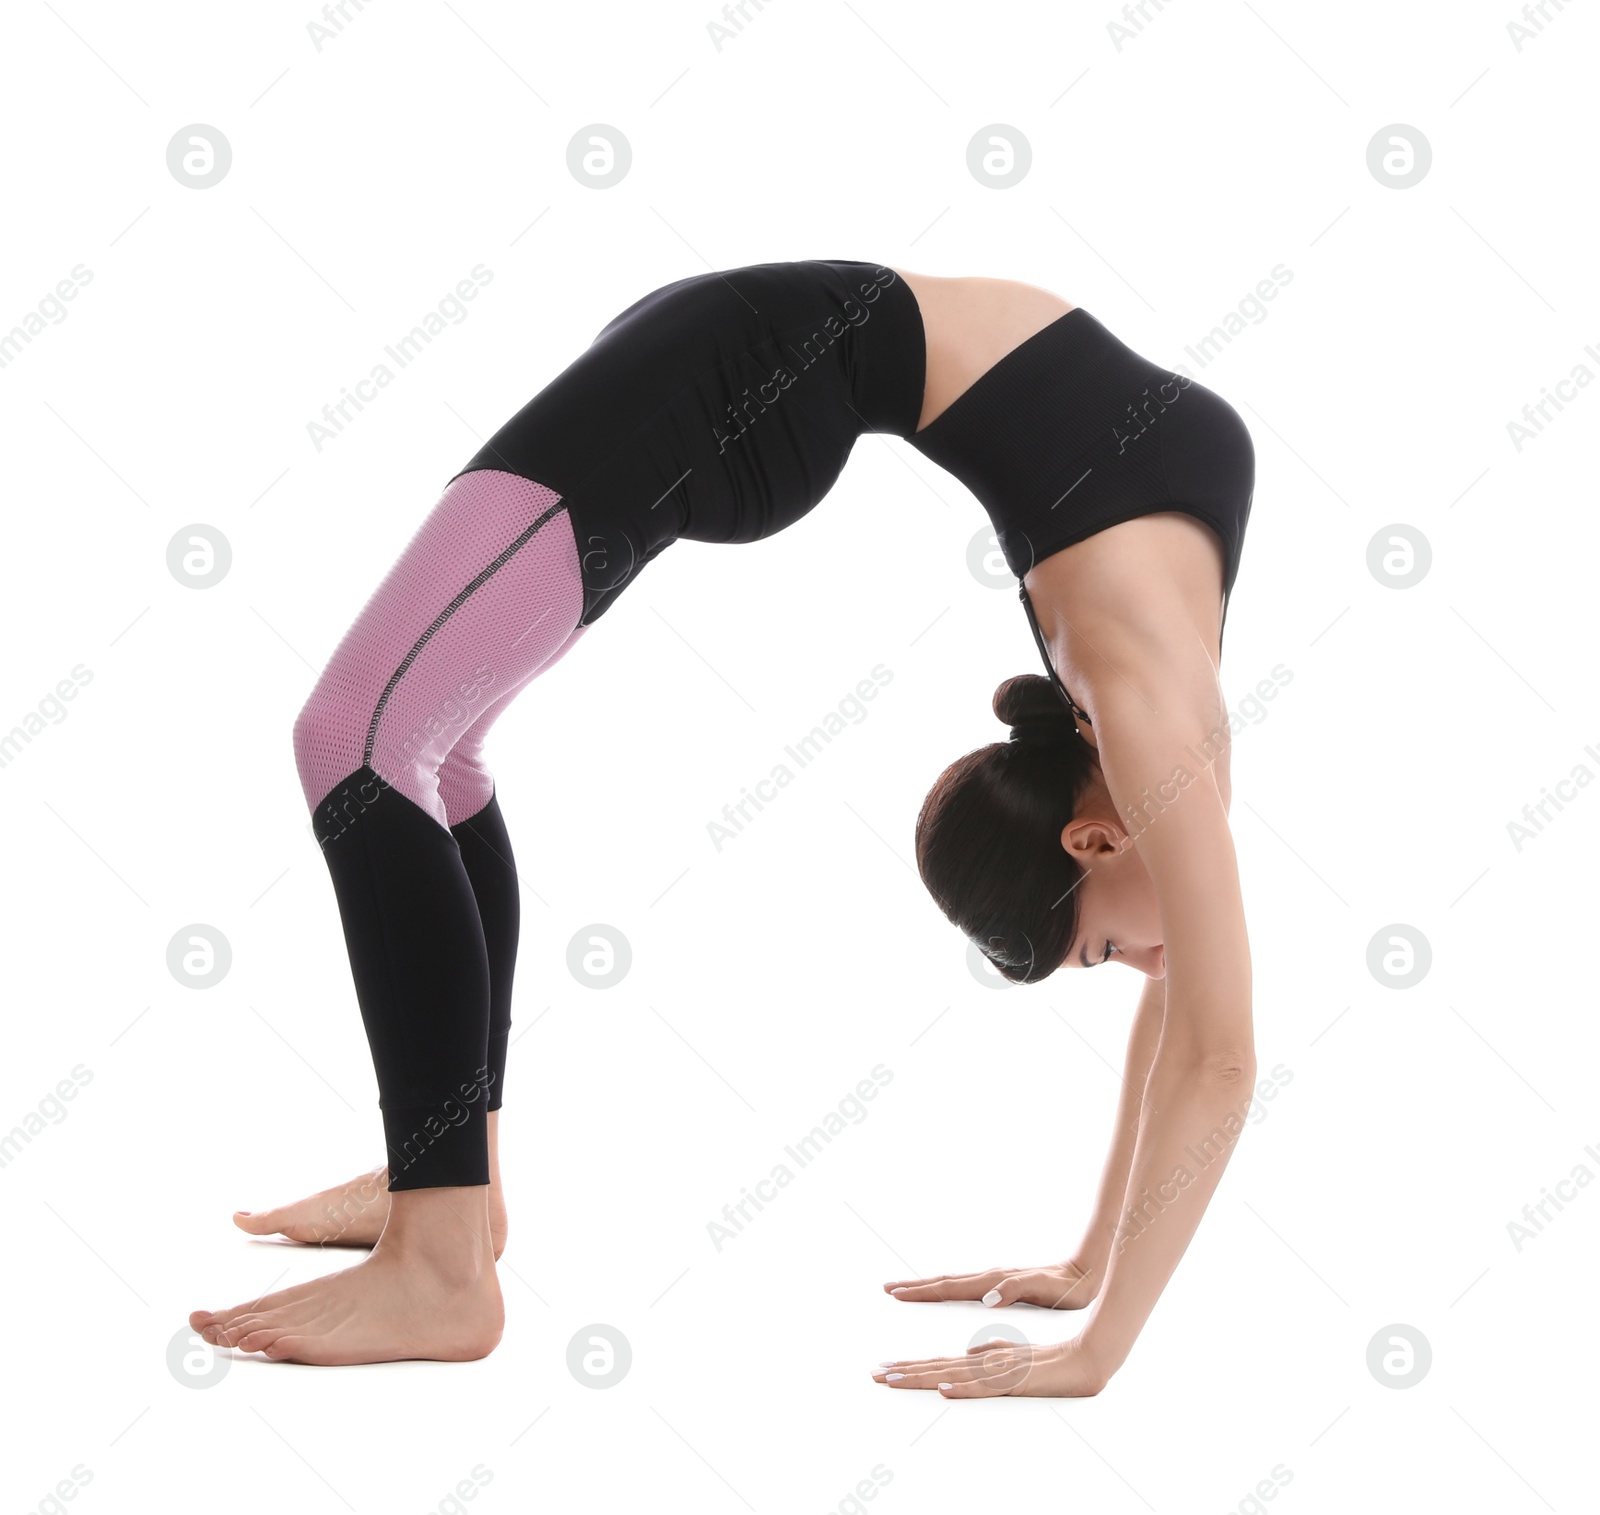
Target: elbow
(1225, 1069)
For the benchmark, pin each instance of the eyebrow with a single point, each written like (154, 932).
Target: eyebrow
(1083, 955)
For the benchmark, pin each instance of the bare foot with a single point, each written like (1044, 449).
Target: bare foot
(429, 1290)
(348, 1215)
(354, 1214)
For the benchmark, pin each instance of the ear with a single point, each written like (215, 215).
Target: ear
(1091, 838)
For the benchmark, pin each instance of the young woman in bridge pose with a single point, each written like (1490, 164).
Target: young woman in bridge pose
(722, 408)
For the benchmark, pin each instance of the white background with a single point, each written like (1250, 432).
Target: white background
(1169, 175)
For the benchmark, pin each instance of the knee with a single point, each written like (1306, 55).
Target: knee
(327, 745)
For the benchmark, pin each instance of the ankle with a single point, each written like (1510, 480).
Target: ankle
(443, 1230)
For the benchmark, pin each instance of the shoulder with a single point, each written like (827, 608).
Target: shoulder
(1161, 727)
(1132, 616)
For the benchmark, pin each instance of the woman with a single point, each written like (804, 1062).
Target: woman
(722, 408)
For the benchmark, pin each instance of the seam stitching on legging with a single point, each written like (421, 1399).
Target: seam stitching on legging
(443, 616)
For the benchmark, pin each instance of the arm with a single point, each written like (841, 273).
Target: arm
(1094, 1251)
(1204, 1067)
(1073, 1284)
(1162, 732)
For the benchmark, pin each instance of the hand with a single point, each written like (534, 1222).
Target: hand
(1062, 1286)
(999, 1368)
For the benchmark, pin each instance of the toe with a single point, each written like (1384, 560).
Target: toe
(257, 1222)
(232, 1332)
(258, 1339)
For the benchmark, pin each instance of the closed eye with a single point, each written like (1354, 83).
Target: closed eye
(1083, 955)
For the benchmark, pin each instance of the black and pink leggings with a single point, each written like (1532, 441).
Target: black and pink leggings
(389, 747)
(719, 408)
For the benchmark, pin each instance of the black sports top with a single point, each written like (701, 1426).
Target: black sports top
(722, 408)
(1072, 431)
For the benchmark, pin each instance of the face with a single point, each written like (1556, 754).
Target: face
(1119, 917)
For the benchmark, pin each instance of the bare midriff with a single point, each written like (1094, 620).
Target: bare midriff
(970, 324)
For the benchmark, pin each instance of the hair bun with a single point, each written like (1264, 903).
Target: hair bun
(1029, 704)
(1052, 731)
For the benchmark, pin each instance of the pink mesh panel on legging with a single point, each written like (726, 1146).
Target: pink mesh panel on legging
(465, 784)
(487, 592)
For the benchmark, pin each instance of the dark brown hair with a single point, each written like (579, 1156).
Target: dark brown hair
(989, 834)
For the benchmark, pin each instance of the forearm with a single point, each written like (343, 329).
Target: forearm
(1094, 1251)
(1194, 1111)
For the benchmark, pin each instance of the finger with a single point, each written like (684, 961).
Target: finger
(931, 1377)
(917, 1365)
(1010, 1289)
(1045, 1287)
(944, 1278)
(954, 1286)
(1003, 1363)
(973, 1388)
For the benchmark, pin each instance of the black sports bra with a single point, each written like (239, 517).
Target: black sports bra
(1072, 432)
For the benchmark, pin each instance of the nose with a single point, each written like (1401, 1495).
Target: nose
(1150, 961)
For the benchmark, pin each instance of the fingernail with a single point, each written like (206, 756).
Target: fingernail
(947, 1386)
(992, 1297)
(896, 1377)
(900, 1291)
(888, 1364)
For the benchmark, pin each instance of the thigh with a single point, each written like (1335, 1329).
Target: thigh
(485, 593)
(465, 782)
